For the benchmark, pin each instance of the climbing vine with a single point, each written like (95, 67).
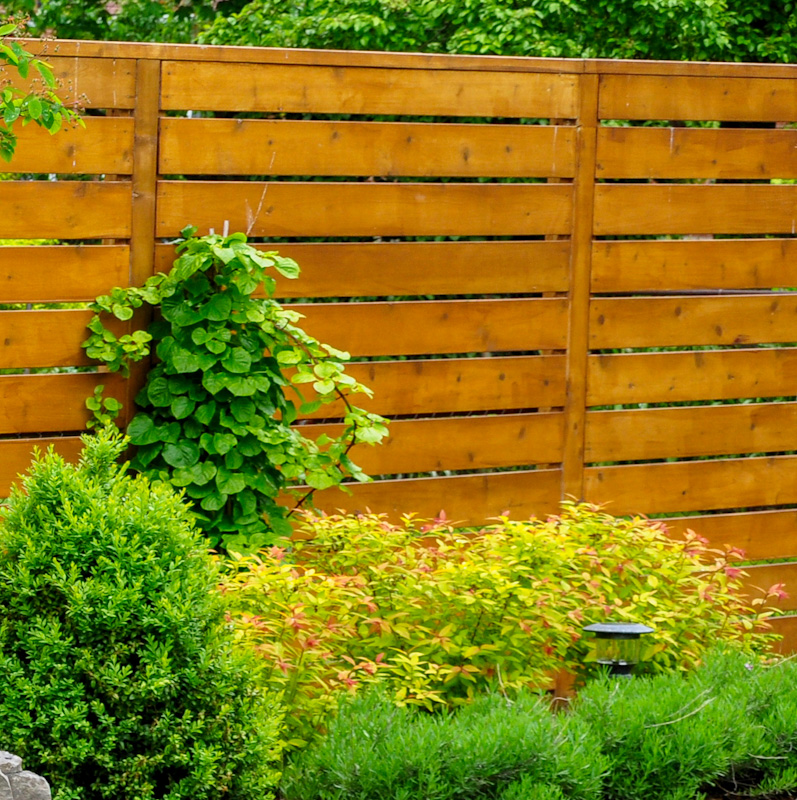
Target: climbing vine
(215, 414)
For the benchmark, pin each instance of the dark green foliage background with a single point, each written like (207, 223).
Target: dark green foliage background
(118, 675)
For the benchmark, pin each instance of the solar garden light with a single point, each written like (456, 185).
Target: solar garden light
(618, 645)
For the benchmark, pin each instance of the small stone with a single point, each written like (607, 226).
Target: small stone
(9, 763)
(29, 786)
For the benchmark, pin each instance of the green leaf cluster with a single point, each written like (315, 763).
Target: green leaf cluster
(720, 30)
(215, 415)
(118, 675)
(728, 728)
(441, 615)
(39, 104)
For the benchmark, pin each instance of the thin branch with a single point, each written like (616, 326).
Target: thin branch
(685, 716)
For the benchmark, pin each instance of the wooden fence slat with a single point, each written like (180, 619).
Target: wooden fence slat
(365, 90)
(431, 386)
(364, 209)
(431, 327)
(373, 269)
(676, 265)
(692, 321)
(61, 274)
(104, 146)
(87, 82)
(727, 154)
(458, 443)
(677, 97)
(691, 431)
(47, 338)
(16, 455)
(687, 376)
(762, 577)
(760, 534)
(64, 210)
(786, 627)
(387, 149)
(51, 403)
(693, 485)
(468, 499)
(629, 209)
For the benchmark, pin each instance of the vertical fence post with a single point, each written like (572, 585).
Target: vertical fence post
(144, 196)
(579, 292)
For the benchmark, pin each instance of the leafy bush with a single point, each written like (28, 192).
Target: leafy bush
(440, 614)
(216, 411)
(117, 673)
(479, 752)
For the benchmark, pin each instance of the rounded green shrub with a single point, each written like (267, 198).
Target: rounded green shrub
(118, 675)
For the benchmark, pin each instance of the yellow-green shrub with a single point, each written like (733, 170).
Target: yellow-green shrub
(440, 614)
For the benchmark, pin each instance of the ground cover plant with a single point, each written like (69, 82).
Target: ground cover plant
(439, 615)
(728, 727)
(215, 414)
(118, 676)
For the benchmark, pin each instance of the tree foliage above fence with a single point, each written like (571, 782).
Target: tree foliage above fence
(703, 30)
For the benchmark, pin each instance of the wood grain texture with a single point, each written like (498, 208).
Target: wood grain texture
(692, 321)
(785, 626)
(459, 443)
(431, 327)
(365, 90)
(54, 273)
(686, 376)
(761, 578)
(364, 209)
(104, 146)
(64, 210)
(87, 82)
(686, 97)
(431, 386)
(760, 534)
(16, 455)
(682, 153)
(629, 209)
(51, 403)
(690, 431)
(368, 269)
(675, 265)
(693, 485)
(467, 499)
(47, 338)
(385, 149)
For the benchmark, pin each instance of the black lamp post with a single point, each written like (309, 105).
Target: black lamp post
(618, 645)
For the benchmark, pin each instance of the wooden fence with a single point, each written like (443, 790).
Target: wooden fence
(555, 278)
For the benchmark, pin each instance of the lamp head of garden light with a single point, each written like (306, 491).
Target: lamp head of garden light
(618, 645)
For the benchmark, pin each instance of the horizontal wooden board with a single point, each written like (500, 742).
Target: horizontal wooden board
(87, 82)
(431, 327)
(687, 376)
(64, 209)
(686, 97)
(677, 265)
(760, 579)
(466, 499)
(690, 431)
(16, 455)
(61, 274)
(692, 321)
(459, 443)
(673, 153)
(760, 534)
(368, 269)
(364, 209)
(384, 149)
(693, 485)
(51, 403)
(104, 146)
(786, 627)
(365, 90)
(34, 339)
(457, 385)
(629, 209)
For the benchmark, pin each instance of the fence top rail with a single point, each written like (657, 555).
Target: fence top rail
(356, 58)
